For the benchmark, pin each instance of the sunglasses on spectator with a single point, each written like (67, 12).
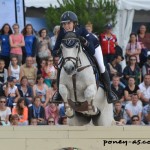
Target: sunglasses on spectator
(133, 59)
(50, 121)
(2, 102)
(135, 120)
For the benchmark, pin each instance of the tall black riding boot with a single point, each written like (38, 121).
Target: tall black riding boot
(57, 97)
(111, 96)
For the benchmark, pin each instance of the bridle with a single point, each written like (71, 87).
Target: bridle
(70, 43)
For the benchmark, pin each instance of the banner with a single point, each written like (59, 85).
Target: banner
(12, 11)
(7, 12)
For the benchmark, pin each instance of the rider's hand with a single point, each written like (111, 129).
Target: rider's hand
(83, 40)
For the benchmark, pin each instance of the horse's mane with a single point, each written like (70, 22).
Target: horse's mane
(69, 35)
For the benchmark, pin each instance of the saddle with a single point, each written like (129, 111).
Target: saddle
(96, 71)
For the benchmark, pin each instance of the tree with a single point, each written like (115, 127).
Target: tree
(99, 12)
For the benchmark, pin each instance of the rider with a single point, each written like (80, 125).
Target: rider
(69, 22)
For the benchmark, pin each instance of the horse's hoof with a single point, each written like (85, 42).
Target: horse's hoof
(92, 112)
(69, 113)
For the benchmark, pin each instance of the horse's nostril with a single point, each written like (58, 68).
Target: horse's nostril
(72, 68)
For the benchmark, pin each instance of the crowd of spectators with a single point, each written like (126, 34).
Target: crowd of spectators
(28, 76)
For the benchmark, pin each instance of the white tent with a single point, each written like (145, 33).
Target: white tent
(125, 15)
(41, 3)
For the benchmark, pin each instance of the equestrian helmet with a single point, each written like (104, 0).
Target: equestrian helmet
(68, 16)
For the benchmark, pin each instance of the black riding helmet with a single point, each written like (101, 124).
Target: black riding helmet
(69, 16)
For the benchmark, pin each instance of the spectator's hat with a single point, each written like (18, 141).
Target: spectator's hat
(108, 26)
(10, 78)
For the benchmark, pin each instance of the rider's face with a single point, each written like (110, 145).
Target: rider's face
(68, 26)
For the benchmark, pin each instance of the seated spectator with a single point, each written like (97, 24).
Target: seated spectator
(117, 88)
(37, 111)
(146, 67)
(22, 111)
(51, 121)
(132, 69)
(3, 76)
(29, 71)
(114, 68)
(119, 113)
(135, 120)
(14, 120)
(53, 89)
(63, 120)
(25, 91)
(133, 48)
(133, 109)
(131, 89)
(56, 61)
(34, 121)
(146, 113)
(11, 92)
(41, 89)
(52, 111)
(14, 69)
(5, 112)
(145, 89)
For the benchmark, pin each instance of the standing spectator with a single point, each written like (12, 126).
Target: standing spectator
(37, 111)
(16, 43)
(132, 69)
(145, 89)
(133, 48)
(41, 89)
(143, 37)
(5, 46)
(11, 92)
(133, 109)
(14, 69)
(146, 67)
(30, 42)
(22, 111)
(43, 46)
(54, 37)
(29, 71)
(5, 112)
(108, 42)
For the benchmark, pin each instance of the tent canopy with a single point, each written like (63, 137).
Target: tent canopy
(134, 4)
(41, 3)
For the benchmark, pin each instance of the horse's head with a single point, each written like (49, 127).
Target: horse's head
(70, 47)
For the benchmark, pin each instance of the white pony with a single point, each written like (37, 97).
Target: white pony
(78, 87)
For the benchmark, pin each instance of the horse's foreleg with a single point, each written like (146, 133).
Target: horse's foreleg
(89, 94)
(64, 93)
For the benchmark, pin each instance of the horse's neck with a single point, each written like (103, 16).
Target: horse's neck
(84, 59)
